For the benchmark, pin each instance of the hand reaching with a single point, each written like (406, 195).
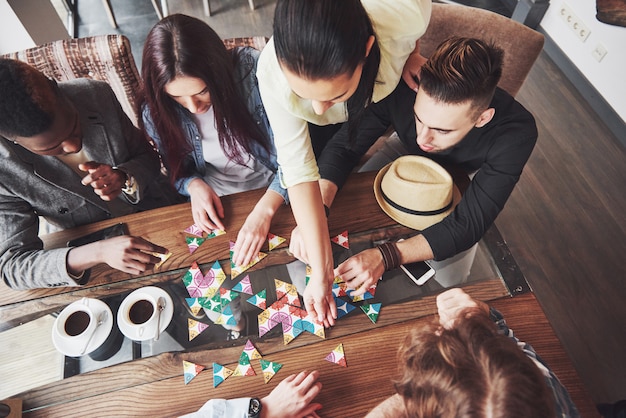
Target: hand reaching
(293, 396)
(106, 182)
(319, 301)
(251, 237)
(206, 206)
(361, 271)
(297, 246)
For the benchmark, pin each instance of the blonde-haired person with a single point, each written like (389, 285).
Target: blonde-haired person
(469, 364)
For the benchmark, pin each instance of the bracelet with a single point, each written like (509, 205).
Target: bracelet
(391, 255)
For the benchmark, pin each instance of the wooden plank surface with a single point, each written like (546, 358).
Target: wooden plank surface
(349, 392)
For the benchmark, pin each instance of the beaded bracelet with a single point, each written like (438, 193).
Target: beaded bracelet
(391, 255)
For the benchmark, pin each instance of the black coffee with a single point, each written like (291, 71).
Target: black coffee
(141, 311)
(77, 323)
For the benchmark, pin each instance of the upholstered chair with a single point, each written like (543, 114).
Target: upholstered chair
(521, 44)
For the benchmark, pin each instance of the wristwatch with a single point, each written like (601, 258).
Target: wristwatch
(130, 186)
(254, 410)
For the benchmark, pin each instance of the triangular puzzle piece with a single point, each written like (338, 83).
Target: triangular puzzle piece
(365, 296)
(251, 351)
(236, 270)
(190, 280)
(287, 289)
(259, 300)
(220, 373)
(195, 328)
(274, 241)
(194, 230)
(343, 307)
(309, 325)
(194, 305)
(227, 296)
(215, 233)
(226, 317)
(372, 311)
(213, 303)
(337, 356)
(214, 279)
(269, 369)
(244, 368)
(193, 243)
(342, 239)
(191, 370)
(291, 329)
(244, 286)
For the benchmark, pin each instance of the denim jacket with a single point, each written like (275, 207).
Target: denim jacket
(245, 76)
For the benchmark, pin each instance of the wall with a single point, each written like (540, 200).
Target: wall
(607, 76)
(27, 23)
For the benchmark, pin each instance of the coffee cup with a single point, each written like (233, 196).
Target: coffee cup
(76, 322)
(139, 314)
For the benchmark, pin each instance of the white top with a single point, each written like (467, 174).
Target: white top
(223, 175)
(398, 25)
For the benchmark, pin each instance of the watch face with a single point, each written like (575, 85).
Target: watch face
(255, 407)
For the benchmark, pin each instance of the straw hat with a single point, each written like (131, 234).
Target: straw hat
(415, 191)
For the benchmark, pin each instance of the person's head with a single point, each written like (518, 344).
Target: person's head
(185, 63)
(470, 370)
(327, 51)
(34, 113)
(456, 86)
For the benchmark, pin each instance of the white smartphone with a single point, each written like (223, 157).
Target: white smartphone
(419, 272)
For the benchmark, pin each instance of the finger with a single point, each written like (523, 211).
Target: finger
(300, 377)
(320, 309)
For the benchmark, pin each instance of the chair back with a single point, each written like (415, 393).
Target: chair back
(521, 44)
(105, 57)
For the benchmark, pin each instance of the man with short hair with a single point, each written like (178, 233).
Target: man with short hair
(69, 154)
(458, 117)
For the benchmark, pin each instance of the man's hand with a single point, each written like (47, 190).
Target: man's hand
(362, 271)
(452, 302)
(106, 182)
(125, 253)
(206, 206)
(293, 396)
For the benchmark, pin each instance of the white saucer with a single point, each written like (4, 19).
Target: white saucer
(73, 347)
(132, 331)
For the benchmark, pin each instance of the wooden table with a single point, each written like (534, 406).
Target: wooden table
(154, 386)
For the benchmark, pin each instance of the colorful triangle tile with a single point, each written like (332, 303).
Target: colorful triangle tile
(372, 311)
(251, 351)
(220, 373)
(195, 328)
(274, 241)
(343, 307)
(193, 243)
(259, 300)
(337, 356)
(194, 230)
(269, 369)
(342, 239)
(244, 286)
(191, 370)
(236, 270)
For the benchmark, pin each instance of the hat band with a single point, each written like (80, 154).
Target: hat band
(415, 212)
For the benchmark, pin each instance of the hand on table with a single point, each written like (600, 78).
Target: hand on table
(206, 206)
(319, 301)
(106, 182)
(452, 302)
(293, 396)
(125, 253)
(251, 237)
(362, 271)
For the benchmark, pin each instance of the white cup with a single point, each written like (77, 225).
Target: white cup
(77, 322)
(139, 314)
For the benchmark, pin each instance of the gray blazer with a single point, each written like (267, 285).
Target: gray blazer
(33, 185)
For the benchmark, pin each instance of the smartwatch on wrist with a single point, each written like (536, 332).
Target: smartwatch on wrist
(254, 410)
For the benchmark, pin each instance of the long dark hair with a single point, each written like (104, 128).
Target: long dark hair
(181, 45)
(323, 39)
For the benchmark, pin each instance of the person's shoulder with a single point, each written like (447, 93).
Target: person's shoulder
(86, 90)
(511, 112)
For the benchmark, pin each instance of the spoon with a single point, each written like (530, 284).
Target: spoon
(160, 308)
(102, 316)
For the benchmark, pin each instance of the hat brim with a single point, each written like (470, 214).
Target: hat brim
(418, 222)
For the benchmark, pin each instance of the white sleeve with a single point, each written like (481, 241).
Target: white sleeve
(222, 408)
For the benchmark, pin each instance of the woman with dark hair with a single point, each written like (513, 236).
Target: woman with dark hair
(469, 364)
(326, 62)
(202, 108)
